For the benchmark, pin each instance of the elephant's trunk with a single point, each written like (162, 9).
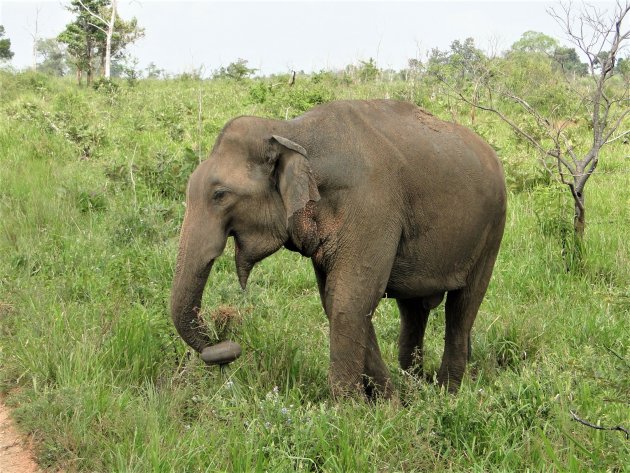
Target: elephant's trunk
(199, 246)
(186, 303)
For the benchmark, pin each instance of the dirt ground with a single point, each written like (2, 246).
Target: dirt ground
(15, 456)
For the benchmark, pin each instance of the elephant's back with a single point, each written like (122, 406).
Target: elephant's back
(386, 129)
(393, 144)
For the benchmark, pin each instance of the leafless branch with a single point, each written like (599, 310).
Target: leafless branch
(615, 126)
(98, 27)
(600, 38)
(98, 17)
(599, 427)
(503, 117)
(620, 135)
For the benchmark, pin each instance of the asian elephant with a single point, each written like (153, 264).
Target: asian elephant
(385, 199)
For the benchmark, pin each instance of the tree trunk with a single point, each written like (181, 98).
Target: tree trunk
(108, 44)
(579, 220)
(88, 53)
(573, 248)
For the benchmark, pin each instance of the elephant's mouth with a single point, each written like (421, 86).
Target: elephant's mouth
(243, 264)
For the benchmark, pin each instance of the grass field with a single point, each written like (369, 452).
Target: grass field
(92, 190)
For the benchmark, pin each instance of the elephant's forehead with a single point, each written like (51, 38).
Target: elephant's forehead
(222, 169)
(222, 164)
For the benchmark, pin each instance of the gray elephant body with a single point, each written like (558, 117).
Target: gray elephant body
(383, 197)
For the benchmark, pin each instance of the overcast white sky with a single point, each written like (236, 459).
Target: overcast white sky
(281, 36)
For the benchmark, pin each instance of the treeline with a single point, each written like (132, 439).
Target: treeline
(55, 57)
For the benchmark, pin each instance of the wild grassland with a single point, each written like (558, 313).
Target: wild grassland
(92, 191)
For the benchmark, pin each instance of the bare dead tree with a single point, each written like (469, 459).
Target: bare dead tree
(603, 96)
(600, 39)
(35, 36)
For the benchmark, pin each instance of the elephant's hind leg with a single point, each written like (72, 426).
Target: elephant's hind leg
(413, 322)
(462, 307)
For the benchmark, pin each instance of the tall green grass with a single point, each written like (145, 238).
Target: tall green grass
(92, 190)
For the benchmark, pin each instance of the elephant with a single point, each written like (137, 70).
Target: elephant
(384, 198)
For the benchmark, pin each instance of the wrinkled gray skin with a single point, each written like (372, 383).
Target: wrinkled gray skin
(382, 196)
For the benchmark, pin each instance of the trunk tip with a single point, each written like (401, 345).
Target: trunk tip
(222, 353)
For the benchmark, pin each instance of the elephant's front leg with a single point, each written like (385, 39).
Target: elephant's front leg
(356, 366)
(377, 381)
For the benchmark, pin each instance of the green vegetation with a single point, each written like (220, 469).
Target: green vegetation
(5, 46)
(237, 70)
(91, 41)
(92, 191)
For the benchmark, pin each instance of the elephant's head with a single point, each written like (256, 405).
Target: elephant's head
(249, 187)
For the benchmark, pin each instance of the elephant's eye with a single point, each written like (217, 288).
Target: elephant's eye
(219, 194)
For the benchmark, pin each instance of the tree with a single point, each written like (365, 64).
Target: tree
(464, 55)
(568, 61)
(52, 57)
(602, 99)
(5, 46)
(154, 72)
(94, 41)
(81, 36)
(367, 71)
(124, 34)
(608, 103)
(459, 66)
(237, 70)
(535, 42)
(35, 36)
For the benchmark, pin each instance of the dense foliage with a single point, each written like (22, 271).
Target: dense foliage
(5, 46)
(85, 38)
(91, 201)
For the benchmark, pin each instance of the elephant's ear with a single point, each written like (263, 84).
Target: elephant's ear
(294, 175)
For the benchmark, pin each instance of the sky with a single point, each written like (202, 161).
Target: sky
(277, 37)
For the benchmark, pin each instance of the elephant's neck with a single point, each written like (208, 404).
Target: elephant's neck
(303, 234)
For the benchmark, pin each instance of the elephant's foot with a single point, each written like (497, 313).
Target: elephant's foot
(378, 389)
(364, 388)
(348, 388)
(450, 376)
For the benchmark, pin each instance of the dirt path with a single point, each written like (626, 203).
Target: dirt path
(14, 454)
